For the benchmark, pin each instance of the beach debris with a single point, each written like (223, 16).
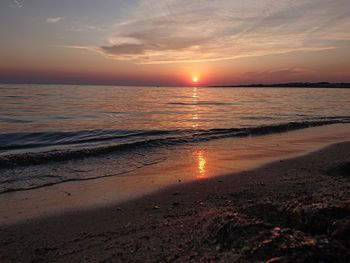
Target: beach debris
(146, 237)
(276, 232)
(156, 207)
(341, 170)
(274, 260)
(118, 209)
(176, 204)
(176, 193)
(342, 231)
(4, 159)
(233, 231)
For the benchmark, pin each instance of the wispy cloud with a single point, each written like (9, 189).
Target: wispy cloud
(53, 20)
(87, 28)
(270, 74)
(178, 31)
(17, 4)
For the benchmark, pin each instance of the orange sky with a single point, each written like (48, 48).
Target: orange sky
(149, 42)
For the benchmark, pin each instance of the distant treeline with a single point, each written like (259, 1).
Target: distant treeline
(292, 85)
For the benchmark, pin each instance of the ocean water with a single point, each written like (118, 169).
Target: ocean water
(131, 126)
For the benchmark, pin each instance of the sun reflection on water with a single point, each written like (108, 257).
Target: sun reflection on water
(195, 108)
(194, 94)
(201, 164)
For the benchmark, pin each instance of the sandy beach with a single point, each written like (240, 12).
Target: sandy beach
(292, 210)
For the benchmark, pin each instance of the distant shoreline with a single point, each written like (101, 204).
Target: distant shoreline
(342, 85)
(288, 85)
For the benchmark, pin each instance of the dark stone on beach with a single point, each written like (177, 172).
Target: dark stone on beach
(259, 241)
(313, 218)
(235, 232)
(342, 231)
(2, 158)
(275, 260)
(342, 170)
(4, 161)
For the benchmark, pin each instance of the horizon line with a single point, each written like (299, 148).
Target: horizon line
(250, 85)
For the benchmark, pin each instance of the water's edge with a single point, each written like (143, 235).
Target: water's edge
(144, 140)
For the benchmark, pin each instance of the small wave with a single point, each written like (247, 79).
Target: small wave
(13, 120)
(45, 180)
(21, 189)
(117, 141)
(196, 103)
(258, 118)
(16, 141)
(8, 87)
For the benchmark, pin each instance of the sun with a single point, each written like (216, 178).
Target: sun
(195, 79)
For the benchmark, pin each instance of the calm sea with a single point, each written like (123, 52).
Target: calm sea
(60, 123)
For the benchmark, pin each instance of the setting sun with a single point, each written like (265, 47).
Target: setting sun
(162, 113)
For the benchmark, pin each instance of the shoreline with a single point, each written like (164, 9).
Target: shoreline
(288, 210)
(208, 161)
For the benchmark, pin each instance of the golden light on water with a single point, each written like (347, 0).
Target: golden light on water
(194, 94)
(195, 108)
(201, 164)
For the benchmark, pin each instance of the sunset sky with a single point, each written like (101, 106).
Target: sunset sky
(170, 42)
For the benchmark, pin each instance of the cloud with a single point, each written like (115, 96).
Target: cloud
(279, 72)
(285, 74)
(53, 20)
(87, 28)
(17, 4)
(178, 31)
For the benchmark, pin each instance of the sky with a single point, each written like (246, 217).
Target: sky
(171, 42)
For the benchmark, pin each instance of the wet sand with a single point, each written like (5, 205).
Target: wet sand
(294, 210)
(180, 166)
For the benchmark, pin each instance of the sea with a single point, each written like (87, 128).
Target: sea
(51, 134)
